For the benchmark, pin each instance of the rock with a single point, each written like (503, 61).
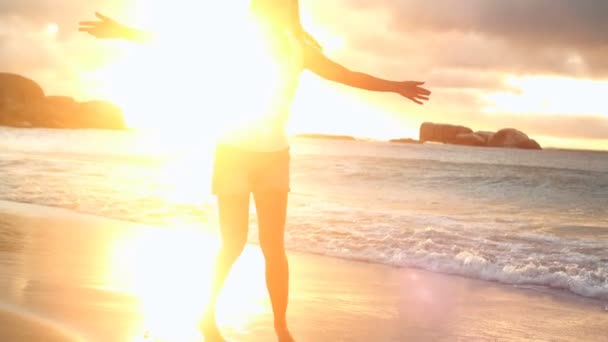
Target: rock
(441, 132)
(469, 139)
(20, 100)
(427, 131)
(61, 103)
(529, 144)
(23, 104)
(325, 136)
(59, 111)
(65, 112)
(487, 136)
(512, 138)
(461, 135)
(19, 88)
(508, 137)
(405, 141)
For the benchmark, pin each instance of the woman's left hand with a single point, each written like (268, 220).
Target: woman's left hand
(413, 91)
(105, 27)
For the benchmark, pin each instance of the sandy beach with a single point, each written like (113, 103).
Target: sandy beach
(74, 277)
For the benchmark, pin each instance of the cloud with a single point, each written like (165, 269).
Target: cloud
(536, 22)
(55, 60)
(464, 49)
(560, 37)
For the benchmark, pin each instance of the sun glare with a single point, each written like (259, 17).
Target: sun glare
(185, 78)
(51, 29)
(168, 271)
(182, 84)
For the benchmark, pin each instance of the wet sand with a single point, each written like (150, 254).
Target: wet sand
(70, 277)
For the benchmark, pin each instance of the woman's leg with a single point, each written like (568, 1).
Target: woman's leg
(272, 208)
(234, 224)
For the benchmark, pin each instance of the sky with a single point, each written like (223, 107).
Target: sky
(537, 65)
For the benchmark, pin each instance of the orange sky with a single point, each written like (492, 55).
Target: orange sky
(539, 66)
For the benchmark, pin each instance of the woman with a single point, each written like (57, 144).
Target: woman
(252, 157)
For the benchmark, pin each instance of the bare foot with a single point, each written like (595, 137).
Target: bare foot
(283, 335)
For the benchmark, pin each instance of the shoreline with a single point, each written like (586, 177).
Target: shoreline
(112, 281)
(311, 136)
(36, 210)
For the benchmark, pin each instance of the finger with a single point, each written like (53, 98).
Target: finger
(415, 100)
(90, 31)
(422, 97)
(423, 91)
(101, 16)
(87, 29)
(89, 23)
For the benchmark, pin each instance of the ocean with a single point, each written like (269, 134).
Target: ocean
(536, 219)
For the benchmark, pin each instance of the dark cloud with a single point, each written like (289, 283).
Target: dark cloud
(542, 22)
(519, 36)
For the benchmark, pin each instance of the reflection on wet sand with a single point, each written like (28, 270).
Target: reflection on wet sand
(168, 271)
(81, 277)
(155, 278)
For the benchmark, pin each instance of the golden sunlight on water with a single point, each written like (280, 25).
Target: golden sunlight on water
(168, 271)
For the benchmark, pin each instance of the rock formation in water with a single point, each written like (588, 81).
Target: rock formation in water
(510, 137)
(325, 136)
(405, 141)
(23, 104)
(460, 135)
(441, 132)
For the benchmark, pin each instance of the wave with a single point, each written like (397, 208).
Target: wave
(516, 258)
(462, 213)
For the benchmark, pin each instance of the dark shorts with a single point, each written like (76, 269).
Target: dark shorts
(237, 171)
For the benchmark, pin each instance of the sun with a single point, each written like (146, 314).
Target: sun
(183, 78)
(179, 81)
(51, 29)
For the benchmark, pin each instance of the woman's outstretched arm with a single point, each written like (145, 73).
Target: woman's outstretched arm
(318, 63)
(106, 27)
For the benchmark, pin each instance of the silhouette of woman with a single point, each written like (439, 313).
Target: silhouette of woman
(253, 156)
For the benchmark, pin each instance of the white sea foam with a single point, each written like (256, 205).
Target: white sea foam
(527, 259)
